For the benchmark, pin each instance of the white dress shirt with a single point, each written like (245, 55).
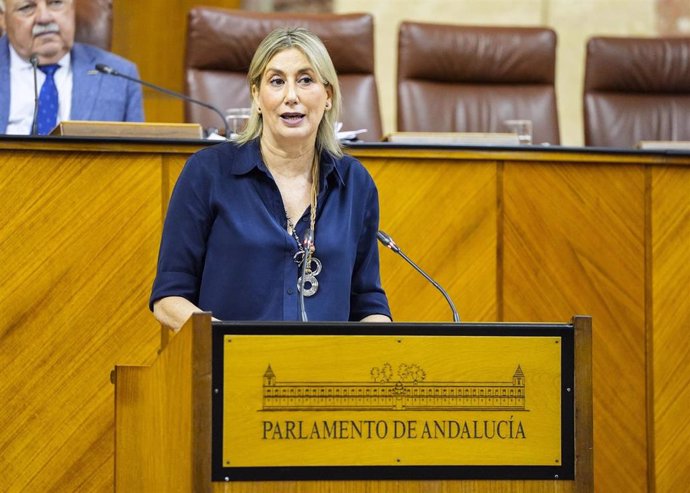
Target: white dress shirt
(22, 97)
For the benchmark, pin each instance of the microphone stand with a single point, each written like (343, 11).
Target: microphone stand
(34, 64)
(105, 69)
(387, 241)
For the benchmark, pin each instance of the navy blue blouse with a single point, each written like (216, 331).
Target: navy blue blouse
(226, 249)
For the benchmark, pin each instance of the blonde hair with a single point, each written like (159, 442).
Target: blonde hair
(314, 50)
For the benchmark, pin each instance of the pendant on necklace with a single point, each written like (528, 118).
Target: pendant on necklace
(313, 267)
(311, 284)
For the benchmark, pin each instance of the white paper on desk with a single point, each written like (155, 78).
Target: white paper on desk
(347, 135)
(455, 138)
(215, 136)
(664, 145)
(351, 135)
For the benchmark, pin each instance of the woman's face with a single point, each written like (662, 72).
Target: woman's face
(291, 99)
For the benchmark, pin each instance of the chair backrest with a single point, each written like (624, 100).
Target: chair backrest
(455, 78)
(636, 89)
(221, 44)
(94, 24)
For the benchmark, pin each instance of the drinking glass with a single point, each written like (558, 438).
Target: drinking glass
(523, 129)
(237, 119)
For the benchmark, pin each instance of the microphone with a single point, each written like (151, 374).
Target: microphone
(387, 241)
(34, 64)
(307, 243)
(105, 69)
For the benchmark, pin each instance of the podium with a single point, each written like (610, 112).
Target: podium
(264, 407)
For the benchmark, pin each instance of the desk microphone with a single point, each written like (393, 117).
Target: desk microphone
(308, 242)
(388, 242)
(105, 69)
(34, 64)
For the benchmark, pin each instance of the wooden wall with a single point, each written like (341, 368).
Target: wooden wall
(529, 236)
(79, 234)
(152, 34)
(668, 327)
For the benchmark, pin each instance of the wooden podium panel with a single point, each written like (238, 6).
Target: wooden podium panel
(163, 412)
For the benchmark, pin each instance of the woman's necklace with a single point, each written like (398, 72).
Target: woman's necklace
(313, 267)
(305, 253)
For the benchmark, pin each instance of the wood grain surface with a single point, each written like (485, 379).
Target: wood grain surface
(670, 324)
(514, 236)
(574, 243)
(156, 449)
(79, 233)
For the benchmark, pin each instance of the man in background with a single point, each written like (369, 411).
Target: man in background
(69, 87)
(2, 17)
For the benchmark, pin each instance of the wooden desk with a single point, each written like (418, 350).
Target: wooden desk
(513, 235)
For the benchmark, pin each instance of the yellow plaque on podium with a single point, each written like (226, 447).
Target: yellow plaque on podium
(397, 401)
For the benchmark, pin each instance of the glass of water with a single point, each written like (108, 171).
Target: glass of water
(523, 129)
(237, 119)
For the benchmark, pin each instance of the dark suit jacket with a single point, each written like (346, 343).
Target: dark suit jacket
(95, 96)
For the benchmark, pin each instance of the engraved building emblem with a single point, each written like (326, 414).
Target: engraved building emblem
(409, 391)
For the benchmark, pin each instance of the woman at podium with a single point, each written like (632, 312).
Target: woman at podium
(279, 224)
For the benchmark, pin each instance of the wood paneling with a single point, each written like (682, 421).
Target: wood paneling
(671, 324)
(574, 243)
(79, 236)
(445, 221)
(519, 236)
(574, 235)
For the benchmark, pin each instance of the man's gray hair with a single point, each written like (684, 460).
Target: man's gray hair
(2, 5)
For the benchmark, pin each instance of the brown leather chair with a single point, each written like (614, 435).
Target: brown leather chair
(221, 43)
(94, 22)
(636, 89)
(455, 78)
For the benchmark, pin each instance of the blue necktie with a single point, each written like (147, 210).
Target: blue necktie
(47, 101)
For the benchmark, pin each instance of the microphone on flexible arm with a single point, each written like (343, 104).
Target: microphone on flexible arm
(307, 244)
(106, 69)
(387, 241)
(33, 59)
